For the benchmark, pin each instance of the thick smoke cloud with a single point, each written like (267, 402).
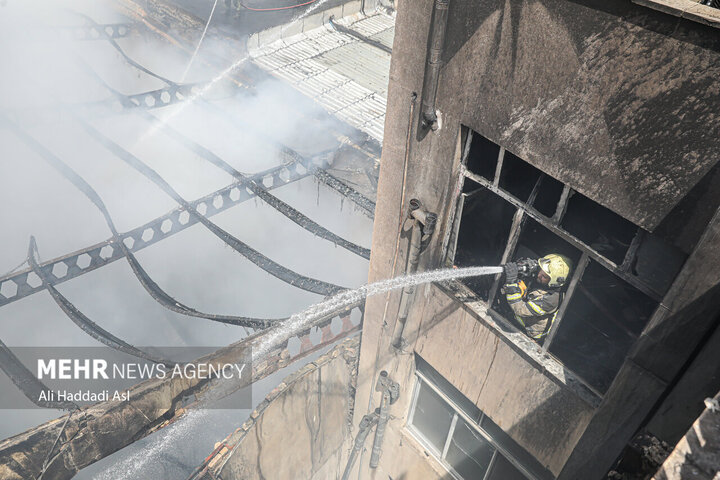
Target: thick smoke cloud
(44, 84)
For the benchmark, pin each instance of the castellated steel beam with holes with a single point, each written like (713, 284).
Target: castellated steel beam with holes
(95, 32)
(159, 98)
(24, 283)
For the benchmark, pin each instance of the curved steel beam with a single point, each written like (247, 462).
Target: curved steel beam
(275, 269)
(77, 263)
(282, 207)
(24, 379)
(79, 319)
(130, 101)
(150, 286)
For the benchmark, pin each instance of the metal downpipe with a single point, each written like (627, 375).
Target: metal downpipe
(390, 393)
(366, 425)
(423, 226)
(434, 62)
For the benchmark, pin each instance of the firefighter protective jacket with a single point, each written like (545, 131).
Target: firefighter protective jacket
(534, 310)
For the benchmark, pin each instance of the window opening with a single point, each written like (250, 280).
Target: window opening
(518, 177)
(657, 262)
(470, 186)
(468, 453)
(548, 196)
(600, 228)
(483, 157)
(509, 210)
(484, 229)
(537, 241)
(433, 417)
(603, 319)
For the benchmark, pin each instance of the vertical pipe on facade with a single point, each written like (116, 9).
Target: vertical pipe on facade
(366, 425)
(382, 423)
(411, 267)
(423, 227)
(434, 60)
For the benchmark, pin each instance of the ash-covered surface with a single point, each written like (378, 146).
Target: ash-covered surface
(640, 459)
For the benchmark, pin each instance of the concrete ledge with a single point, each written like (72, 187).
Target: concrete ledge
(689, 9)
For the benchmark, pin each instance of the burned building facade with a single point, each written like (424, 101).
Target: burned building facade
(534, 127)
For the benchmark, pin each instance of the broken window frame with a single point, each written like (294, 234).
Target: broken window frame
(424, 380)
(524, 210)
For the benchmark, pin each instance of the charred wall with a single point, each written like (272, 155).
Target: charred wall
(613, 98)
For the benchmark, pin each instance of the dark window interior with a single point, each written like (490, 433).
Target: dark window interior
(548, 196)
(518, 177)
(483, 157)
(603, 230)
(537, 241)
(469, 186)
(657, 263)
(484, 229)
(603, 319)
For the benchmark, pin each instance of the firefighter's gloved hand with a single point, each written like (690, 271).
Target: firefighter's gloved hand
(527, 267)
(511, 272)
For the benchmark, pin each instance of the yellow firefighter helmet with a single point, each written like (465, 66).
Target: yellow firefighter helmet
(557, 268)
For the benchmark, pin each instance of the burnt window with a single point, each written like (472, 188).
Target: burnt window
(548, 196)
(483, 157)
(656, 262)
(601, 229)
(484, 229)
(537, 241)
(518, 177)
(509, 209)
(604, 317)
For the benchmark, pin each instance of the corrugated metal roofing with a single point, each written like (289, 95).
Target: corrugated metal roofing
(345, 74)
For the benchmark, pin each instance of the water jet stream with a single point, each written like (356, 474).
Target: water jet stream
(340, 301)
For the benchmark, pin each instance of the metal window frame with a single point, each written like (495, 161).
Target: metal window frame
(513, 237)
(574, 281)
(569, 238)
(523, 211)
(458, 413)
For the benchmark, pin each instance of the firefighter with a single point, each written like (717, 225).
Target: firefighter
(533, 290)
